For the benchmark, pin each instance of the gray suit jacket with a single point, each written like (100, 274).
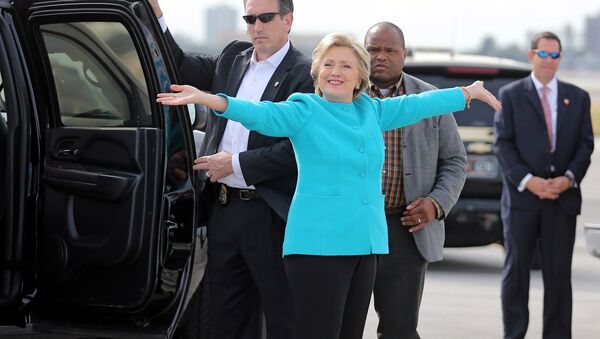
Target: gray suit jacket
(434, 164)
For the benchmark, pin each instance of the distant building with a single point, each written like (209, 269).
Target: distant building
(592, 35)
(221, 24)
(568, 38)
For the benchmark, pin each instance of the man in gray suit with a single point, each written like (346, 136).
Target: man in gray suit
(425, 167)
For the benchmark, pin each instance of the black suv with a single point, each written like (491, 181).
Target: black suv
(475, 219)
(99, 232)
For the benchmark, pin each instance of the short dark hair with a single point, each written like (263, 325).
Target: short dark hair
(390, 25)
(285, 6)
(545, 35)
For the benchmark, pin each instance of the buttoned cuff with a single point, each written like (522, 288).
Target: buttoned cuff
(523, 183)
(163, 23)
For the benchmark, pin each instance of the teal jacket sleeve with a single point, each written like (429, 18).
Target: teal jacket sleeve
(407, 109)
(275, 119)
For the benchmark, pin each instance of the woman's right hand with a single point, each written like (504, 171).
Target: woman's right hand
(185, 94)
(477, 91)
(181, 95)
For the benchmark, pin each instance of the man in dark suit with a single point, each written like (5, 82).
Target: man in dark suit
(543, 140)
(425, 167)
(253, 175)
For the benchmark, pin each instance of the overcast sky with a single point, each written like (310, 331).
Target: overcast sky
(458, 24)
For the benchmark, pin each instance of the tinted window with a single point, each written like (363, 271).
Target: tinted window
(480, 114)
(97, 74)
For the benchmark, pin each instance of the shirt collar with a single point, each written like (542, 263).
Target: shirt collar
(552, 85)
(275, 59)
(392, 90)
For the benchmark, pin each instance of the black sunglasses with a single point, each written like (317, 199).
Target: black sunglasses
(264, 18)
(544, 54)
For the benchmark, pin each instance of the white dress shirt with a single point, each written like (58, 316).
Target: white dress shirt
(254, 83)
(552, 96)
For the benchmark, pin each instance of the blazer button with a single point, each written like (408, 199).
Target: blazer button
(362, 175)
(365, 202)
(353, 127)
(361, 150)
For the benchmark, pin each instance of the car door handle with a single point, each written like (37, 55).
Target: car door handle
(67, 152)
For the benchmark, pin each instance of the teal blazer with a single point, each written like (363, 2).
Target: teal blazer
(337, 208)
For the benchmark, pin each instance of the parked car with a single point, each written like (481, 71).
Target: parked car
(475, 219)
(99, 231)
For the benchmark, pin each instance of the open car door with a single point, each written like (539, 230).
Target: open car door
(115, 222)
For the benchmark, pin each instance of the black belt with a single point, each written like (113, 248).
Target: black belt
(228, 193)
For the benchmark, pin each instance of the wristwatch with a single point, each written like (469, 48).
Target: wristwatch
(572, 181)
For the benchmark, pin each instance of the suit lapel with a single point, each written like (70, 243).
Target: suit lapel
(275, 83)
(562, 105)
(534, 99)
(410, 86)
(238, 69)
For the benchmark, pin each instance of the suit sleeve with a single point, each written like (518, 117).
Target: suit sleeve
(452, 165)
(195, 70)
(582, 158)
(407, 109)
(273, 161)
(504, 146)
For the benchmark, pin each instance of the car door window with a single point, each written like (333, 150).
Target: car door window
(97, 74)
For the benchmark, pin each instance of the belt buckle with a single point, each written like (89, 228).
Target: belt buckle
(222, 194)
(245, 195)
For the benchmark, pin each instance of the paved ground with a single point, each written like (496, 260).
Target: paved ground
(462, 293)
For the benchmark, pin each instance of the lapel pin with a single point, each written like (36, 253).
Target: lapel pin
(566, 102)
(276, 84)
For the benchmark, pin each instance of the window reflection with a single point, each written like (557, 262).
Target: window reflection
(97, 74)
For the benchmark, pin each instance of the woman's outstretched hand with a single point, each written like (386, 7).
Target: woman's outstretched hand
(477, 91)
(185, 94)
(181, 95)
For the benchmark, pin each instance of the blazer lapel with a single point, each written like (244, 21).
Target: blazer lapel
(275, 83)
(279, 76)
(238, 69)
(562, 105)
(410, 86)
(534, 99)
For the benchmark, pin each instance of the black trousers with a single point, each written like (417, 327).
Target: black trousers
(399, 284)
(246, 272)
(331, 294)
(555, 231)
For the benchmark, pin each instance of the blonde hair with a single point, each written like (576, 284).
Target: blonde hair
(341, 40)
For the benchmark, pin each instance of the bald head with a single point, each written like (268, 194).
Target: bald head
(385, 43)
(387, 27)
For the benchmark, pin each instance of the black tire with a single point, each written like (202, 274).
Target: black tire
(196, 320)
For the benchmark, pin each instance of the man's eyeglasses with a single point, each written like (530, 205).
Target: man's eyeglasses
(545, 54)
(264, 18)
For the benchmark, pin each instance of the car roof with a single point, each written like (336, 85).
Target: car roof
(448, 62)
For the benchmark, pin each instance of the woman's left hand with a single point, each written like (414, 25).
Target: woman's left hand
(477, 91)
